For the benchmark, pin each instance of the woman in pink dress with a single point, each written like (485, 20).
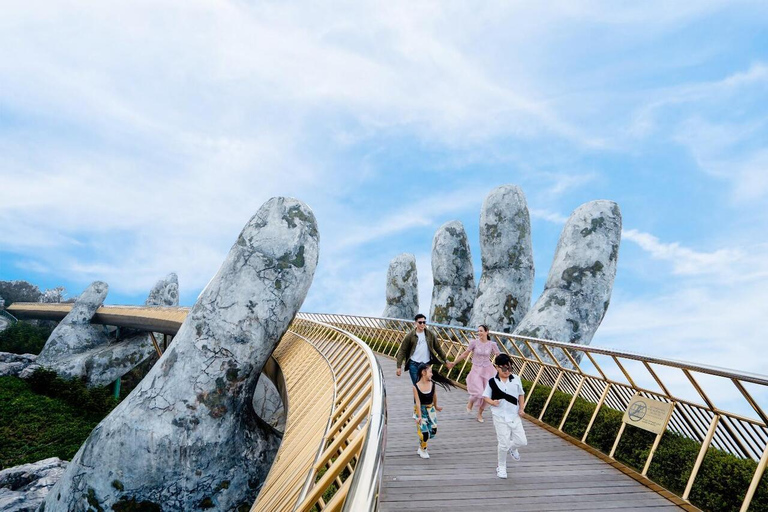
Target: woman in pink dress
(482, 368)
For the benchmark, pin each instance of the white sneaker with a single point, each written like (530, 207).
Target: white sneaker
(501, 472)
(422, 453)
(514, 453)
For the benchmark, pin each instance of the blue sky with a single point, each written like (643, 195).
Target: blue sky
(137, 139)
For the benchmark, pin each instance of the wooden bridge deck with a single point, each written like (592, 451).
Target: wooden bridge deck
(461, 473)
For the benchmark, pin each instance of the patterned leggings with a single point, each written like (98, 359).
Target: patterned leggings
(428, 427)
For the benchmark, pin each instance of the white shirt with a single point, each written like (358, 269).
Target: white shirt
(421, 352)
(506, 410)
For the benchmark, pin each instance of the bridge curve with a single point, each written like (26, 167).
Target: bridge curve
(586, 379)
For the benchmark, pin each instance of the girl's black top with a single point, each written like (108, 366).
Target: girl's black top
(426, 398)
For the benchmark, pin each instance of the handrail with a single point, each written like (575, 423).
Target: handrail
(347, 472)
(8, 316)
(332, 452)
(163, 319)
(577, 370)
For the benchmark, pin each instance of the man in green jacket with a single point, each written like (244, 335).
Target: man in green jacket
(419, 346)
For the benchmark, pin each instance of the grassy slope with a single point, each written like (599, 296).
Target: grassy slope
(34, 427)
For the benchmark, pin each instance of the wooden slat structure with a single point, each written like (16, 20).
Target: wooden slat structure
(460, 475)
(305, 428)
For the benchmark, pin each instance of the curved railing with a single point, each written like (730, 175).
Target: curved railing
(332, 450)
(611, 378)
(12, 319)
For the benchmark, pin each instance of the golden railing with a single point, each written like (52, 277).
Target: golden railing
(332, 450)
(611, 378)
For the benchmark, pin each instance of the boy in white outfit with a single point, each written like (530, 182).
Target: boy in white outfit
(505, 394)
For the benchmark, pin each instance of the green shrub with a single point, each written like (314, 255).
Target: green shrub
(23, 338)
(73, 392)
(720, 485)
(35, 427)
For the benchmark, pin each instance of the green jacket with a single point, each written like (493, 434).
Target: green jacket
(408, 345)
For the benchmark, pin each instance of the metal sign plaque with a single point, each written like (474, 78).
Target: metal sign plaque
(648, 414)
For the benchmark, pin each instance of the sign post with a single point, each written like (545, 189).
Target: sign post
(647, 414)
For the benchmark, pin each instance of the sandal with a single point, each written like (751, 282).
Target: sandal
(480, 419)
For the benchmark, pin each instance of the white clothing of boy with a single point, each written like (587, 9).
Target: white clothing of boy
(506, 419)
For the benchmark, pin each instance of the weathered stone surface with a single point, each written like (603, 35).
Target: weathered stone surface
(187, 437)
(580, 282)
(23, 488)
(107, 364)
(453, 278)
(13, 364)
(506, 284)
(75, 334)
(268, 404)
(78, 349)
(165, 292)
(402, 288)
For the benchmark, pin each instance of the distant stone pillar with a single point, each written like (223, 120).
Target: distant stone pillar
(402, 288)
(75, 335)
(579, 285)
(453, 290)
(165, 292)
(506, 284)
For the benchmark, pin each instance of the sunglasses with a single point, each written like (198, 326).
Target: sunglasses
(421, 322)
(505, 369)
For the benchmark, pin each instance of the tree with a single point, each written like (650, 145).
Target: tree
(19, 291)
(52, 295)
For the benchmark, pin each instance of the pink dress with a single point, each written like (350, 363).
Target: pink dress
(482, 368)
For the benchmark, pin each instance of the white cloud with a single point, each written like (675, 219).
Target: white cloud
(722, 326)
(685, 261)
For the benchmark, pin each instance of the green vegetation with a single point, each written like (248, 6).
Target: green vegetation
(720, 485)
(47, 417)
(23, 338)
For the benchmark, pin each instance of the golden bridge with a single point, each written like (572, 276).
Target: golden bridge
(349, 441)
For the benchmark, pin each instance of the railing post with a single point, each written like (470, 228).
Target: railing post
(597, 410)
(702, 453)
(656, 444)
(573, 400)
(618, 438)
(551, 394)
(755, 481)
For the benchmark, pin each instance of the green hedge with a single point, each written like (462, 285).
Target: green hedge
(720, 485)
(23, 338)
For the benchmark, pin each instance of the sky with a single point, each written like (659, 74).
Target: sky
(137, 139)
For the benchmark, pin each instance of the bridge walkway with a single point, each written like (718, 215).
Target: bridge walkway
(460, 475)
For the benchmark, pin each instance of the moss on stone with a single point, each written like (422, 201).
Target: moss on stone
(287, 260)
(92, 500)
(575, 274)
(595, 224)
(131, 505)
(205, 503)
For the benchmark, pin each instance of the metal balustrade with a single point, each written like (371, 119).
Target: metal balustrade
(577, 371)
(9, 317)
(337, 413)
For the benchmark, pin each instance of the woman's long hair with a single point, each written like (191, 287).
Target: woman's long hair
(437, 377)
